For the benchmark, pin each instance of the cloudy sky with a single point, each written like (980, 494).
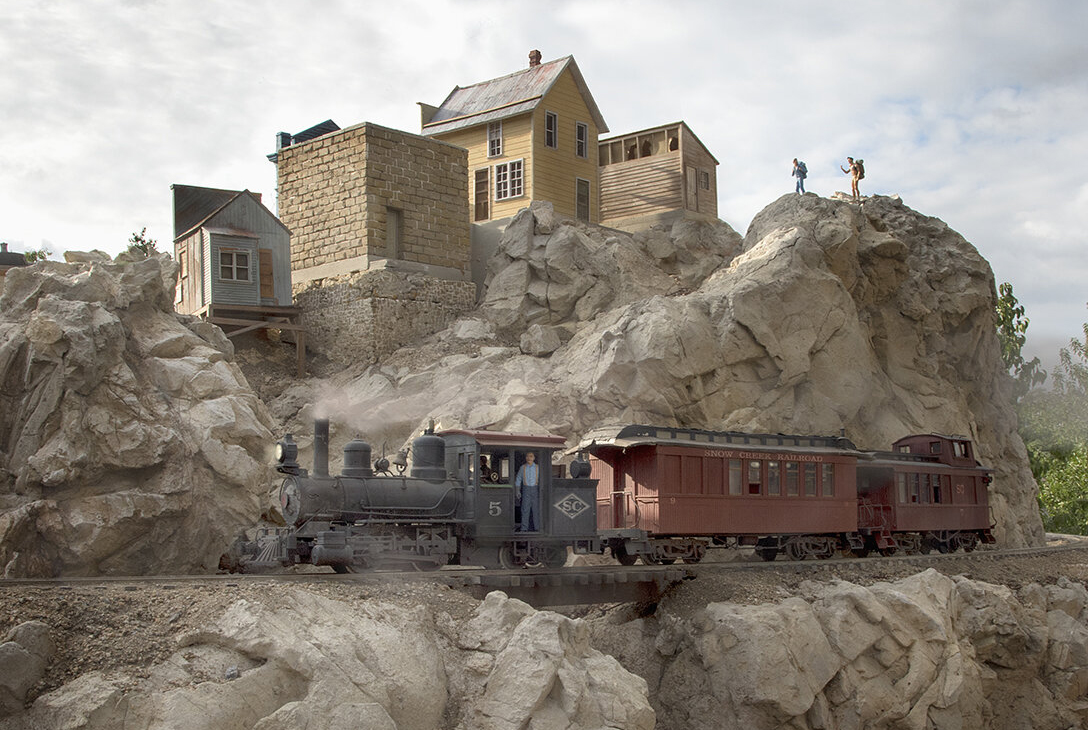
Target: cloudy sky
(973, 112)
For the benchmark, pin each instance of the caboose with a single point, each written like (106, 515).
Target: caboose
(928, 493)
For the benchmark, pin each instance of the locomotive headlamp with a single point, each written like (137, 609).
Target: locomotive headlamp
(287, 453)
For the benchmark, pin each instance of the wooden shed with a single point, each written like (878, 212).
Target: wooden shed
(235, 262)
(655, 174)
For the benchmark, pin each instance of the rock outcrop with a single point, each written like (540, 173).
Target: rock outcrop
(876, 320)
(130, 442)
(925, 652)
(307, 661)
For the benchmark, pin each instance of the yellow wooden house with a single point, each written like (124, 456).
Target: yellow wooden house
(530, 135)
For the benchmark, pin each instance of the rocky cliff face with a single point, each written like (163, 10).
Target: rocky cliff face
(129, 441)
(876, 320)
(928, 651)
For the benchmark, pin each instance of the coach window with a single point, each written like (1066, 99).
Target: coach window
(774, 483)
(828, 473)
(810, 480)
(914, 496)
(934, 447)
(791, 478)
(755, 480)
(901, 485)
(935, 486)
(736, 477)
(959, 448)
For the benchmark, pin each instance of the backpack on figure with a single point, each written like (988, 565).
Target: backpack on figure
(802, 170)
(861, 169)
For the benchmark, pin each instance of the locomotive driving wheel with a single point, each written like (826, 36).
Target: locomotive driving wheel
(507, 559)
(553, 556)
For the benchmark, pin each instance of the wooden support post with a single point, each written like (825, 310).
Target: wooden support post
(300, 345)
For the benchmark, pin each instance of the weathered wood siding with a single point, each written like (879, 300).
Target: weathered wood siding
(245, 214)
(557, 169)
(706, 200)
(641, 187)
(226, 291)
(517, 144)
(188, 252)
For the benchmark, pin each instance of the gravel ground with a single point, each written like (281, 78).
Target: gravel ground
(133, 626)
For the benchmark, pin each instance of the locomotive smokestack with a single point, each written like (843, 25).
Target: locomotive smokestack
(321, 447)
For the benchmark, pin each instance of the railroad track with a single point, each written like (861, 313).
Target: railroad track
(564, 586)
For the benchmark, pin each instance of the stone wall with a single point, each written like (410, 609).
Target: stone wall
(334, 194)
(362, 316)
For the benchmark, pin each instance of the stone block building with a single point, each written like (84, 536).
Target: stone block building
(381, 245)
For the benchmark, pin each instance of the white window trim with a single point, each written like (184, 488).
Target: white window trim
(581, 128)
(549, 116)
(494, 134)
(501, 181)
(234, 266)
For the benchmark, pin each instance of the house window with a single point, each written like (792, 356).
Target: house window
(494, 139)
(551, 130)
(183, 274)
(509, 182)
(234, 265)
(483, 177)
(581, 140)
(704, 180)
(581, 203)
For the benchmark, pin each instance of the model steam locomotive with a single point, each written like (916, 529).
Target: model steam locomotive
(648, 493)
(456, 505)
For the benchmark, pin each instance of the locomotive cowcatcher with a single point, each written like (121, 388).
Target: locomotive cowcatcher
(456, 505)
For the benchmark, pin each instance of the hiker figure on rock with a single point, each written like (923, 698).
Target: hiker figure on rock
(800, 171)
(856, 172)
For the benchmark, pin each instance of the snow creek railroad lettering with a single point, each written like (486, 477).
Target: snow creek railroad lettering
(761, 455)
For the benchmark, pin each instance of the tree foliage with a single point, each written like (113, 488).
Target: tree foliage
(1054, 426)
(40, 254)
(1063, 494)
(140, 243)
(1012, 327)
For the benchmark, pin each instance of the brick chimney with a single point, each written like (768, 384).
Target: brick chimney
(534, 58)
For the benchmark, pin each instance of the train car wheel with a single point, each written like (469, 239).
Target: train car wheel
(795, 550)
(343, 569)
(887, 552)
(697, 554)
(862, 552)
(768, 554)
(622, 556)
(554, 556)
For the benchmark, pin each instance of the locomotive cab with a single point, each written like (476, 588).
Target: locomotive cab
(488, 463)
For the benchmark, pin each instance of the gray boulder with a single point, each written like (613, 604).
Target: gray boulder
(129, 441)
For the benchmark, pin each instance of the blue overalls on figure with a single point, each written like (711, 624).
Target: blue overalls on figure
(528, 482)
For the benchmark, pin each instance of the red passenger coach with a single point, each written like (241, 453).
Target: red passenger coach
(668, 493)
(929, 493)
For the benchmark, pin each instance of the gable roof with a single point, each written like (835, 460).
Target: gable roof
(507, 96)
(194, 206)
